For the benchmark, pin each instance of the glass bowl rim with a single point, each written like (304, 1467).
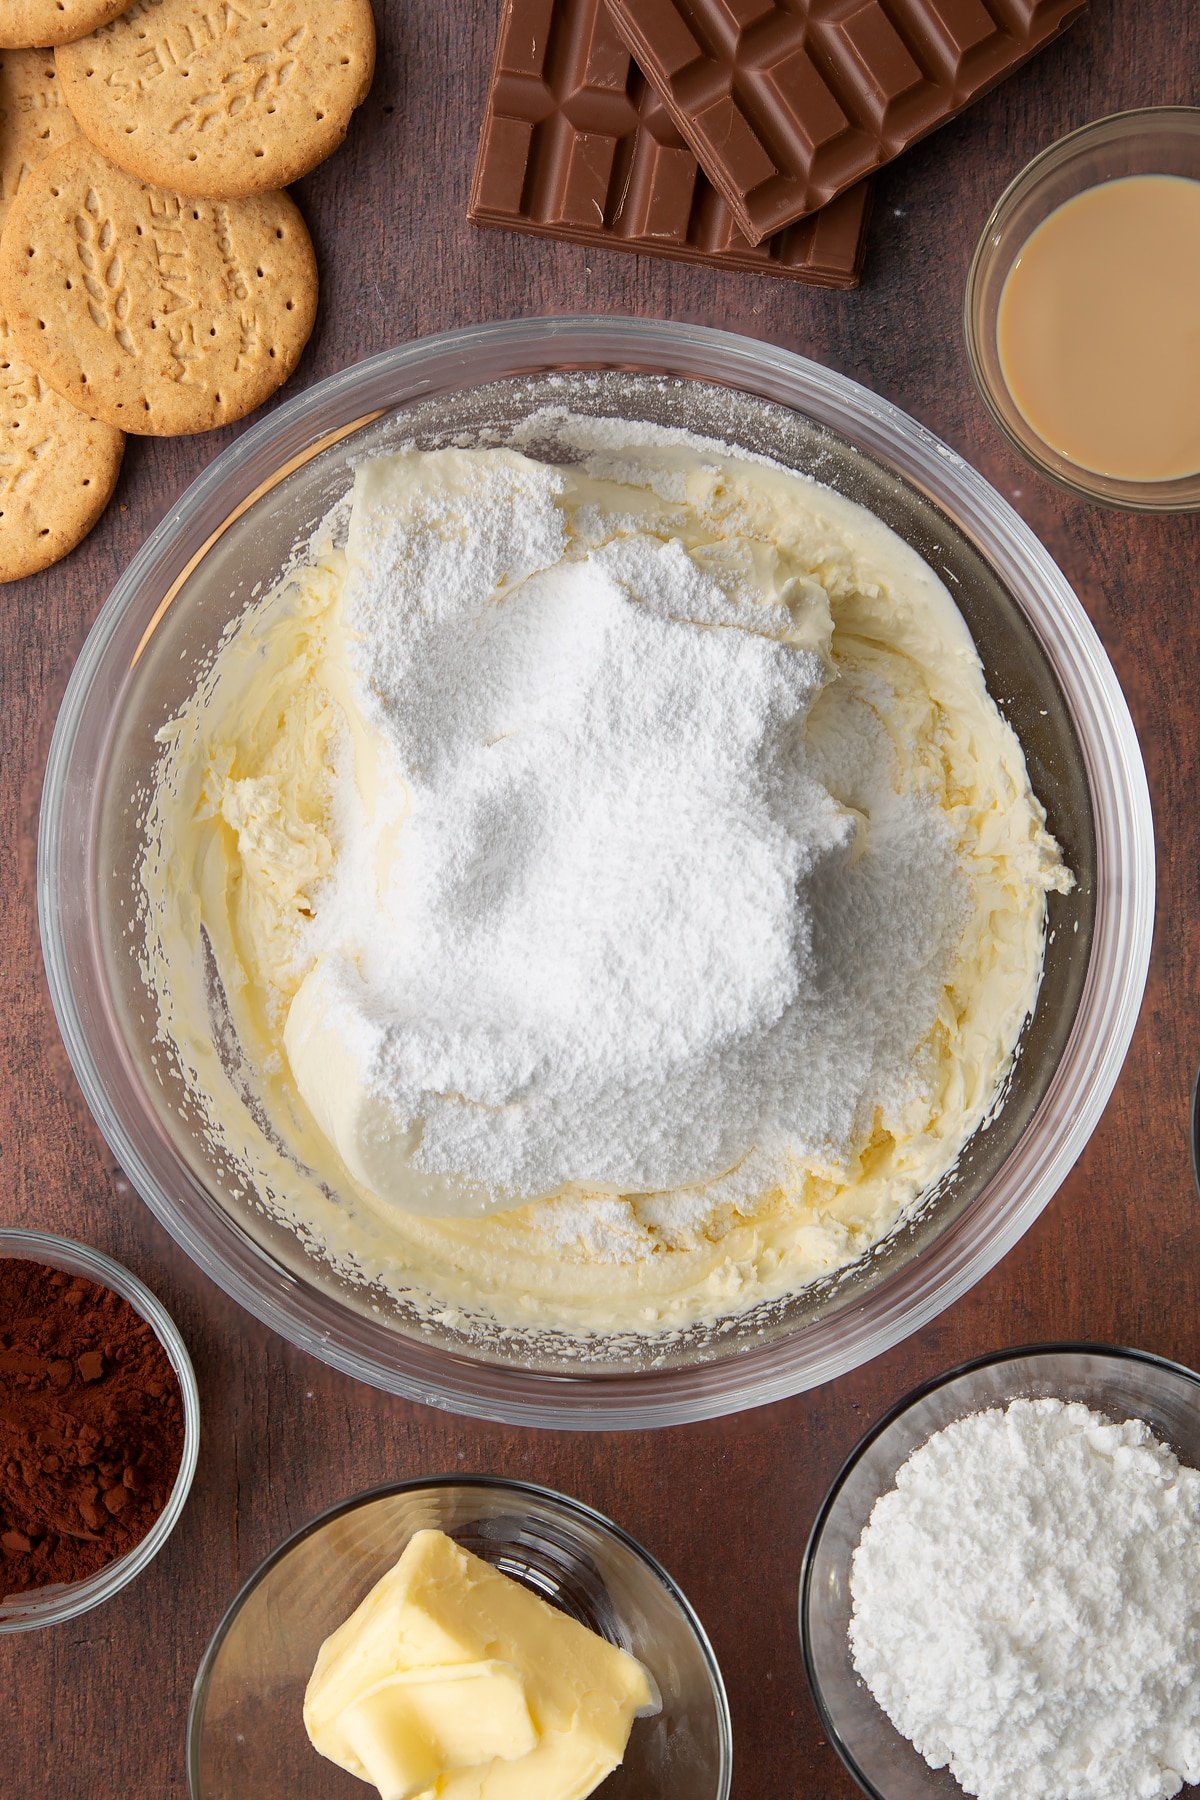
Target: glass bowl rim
(578, 1509)
(68, 1600)
(991, 1359)
(1024, 183)
(745, 1376)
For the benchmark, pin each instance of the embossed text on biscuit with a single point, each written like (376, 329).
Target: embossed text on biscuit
(159, 55)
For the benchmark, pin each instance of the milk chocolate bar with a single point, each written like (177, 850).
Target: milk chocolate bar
(786, 103)
(577, 145)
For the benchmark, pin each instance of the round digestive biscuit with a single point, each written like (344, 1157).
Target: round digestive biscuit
(157, 313)
(33, 118)
(44, 23)
(222, 97)
(57, 469)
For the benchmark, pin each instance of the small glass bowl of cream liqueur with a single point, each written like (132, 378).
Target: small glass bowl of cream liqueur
(1082, 310)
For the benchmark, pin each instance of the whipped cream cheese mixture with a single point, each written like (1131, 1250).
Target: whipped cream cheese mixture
(619, 896)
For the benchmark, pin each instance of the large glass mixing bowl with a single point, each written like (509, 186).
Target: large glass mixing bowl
(232, 533)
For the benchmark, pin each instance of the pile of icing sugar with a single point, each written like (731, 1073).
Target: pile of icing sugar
(1026, 1606)
(614, 930)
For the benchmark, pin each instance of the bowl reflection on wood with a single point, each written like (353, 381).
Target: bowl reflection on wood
(246, 1733)
(230, 538)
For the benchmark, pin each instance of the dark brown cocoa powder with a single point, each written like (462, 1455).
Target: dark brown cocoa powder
(91, 1426)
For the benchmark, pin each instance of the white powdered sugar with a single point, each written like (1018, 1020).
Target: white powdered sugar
(1027, 1606)
(607, 925)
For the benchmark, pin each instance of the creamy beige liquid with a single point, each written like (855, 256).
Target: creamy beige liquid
(1099, 329)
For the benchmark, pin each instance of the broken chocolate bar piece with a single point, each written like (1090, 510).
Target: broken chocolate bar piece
(786, 103)
(576, 145)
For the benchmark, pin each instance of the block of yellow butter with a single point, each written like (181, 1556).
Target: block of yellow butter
(420, 1724)
(452, 1680)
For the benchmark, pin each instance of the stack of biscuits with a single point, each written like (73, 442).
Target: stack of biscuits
(154, 277)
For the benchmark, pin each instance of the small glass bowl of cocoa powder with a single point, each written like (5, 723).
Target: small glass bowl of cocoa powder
(99, 1428)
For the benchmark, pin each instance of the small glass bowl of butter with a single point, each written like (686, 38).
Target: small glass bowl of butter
(1080, 311)
(247, 1726)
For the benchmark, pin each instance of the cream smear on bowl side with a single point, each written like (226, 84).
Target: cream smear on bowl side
(622, 891)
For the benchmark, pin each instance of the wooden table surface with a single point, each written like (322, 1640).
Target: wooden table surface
(99, 1706)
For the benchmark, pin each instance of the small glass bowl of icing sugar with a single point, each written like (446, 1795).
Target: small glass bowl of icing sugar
(1080, 311)
(1027, 1522)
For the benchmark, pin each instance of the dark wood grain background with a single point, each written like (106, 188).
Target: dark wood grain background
(98, 1706)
